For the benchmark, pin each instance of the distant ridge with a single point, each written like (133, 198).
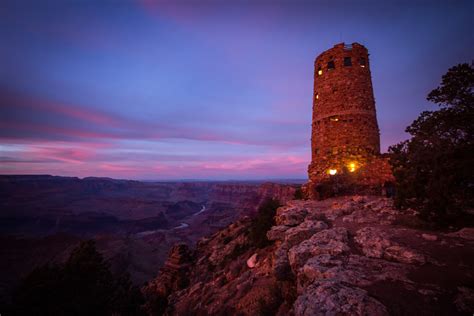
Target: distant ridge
(256, 181)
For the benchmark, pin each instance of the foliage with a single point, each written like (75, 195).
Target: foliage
(156, 304)
(269, 306)
(263, 222)
(83, 285)
(298, 194)
(237, 251)
(227, 240)
(433, 169)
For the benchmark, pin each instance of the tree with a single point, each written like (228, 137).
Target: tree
(298, 194)
(434, 169)
(263, 222)
(83, 285)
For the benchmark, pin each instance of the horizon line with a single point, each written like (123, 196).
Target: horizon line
(158, 180)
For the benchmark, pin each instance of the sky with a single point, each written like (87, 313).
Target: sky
(200, 89)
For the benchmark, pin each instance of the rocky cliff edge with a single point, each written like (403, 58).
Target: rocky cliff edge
(343, 256)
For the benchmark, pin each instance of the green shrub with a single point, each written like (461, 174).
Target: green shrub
(298, 194)
(434, 168)
(263, 222)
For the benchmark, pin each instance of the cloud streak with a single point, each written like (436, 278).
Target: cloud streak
(153, 90)
(46, 136)
(30, 117)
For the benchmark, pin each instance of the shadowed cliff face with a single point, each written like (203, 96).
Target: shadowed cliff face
(135, 223)
(343, 256)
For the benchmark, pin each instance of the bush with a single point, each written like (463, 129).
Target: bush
(269, 306)
(434, 169)
(298, 194)
(263, 222)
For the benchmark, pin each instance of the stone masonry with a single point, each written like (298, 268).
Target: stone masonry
(345, 135)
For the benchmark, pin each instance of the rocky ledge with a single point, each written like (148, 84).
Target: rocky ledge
(343, 256)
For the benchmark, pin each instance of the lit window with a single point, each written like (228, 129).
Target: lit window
(347, 61)
(352, 167)
(332, 171)
(317, 96)
(362, 62)
(334, 119)
(320, 71)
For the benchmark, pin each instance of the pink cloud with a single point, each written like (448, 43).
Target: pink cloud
(71, 110)
(43, 136)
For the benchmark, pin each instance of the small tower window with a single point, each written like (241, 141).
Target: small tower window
(334, 118)
(362, 62)
(331, 65)
(347, 61)
(320, 71)
(317, 96)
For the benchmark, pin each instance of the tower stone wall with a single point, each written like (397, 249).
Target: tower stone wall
(345, 135)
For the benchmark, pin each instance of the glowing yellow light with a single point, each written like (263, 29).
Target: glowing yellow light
(320, 72)
(363, 66)
(332, 171)
(317, 96)
(352, 167)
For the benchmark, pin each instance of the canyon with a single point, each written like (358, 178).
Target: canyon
(188, 245)
(134, 223)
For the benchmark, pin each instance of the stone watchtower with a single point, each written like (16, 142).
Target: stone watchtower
(345, 136)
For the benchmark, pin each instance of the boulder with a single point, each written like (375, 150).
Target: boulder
(373, 241)
(375, 244)
(355, 270)
(252, 261)
(290, 216)
(334, 298)
(303, 231)
(277, 232)
(330, 241)
(429, 237)
(336, 210)
(318, 268)
(359, 199)
(404, 255)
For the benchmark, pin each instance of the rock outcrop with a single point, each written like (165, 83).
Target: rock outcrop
(334, 298)
(173, 276)
(343, 256)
